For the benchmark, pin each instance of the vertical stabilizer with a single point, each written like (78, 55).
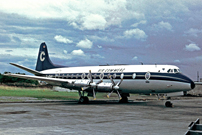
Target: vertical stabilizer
(43, 61)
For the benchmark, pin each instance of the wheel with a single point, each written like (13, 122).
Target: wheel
(86, 100)
(124, 100)
(168, 104)
(83, 100)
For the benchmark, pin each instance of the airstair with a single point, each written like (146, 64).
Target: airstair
(194, 128)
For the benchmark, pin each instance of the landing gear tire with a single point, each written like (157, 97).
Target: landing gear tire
(124, 100)
(169, 104)
(83, 100)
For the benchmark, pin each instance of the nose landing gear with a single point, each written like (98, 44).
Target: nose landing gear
(169, 104)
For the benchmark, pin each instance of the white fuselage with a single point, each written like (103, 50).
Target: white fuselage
(144, 79)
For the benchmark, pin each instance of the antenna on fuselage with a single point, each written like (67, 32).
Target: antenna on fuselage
(141, 63)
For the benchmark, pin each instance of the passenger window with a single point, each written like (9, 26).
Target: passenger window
(147, 76)
(77, 76)
(108, 76)
(122, 75)
(101, 76)
(68, 76)
(83, 76)
(88, 76)
(95, 76)
(168, 70)
(134, 75)
(114, 76)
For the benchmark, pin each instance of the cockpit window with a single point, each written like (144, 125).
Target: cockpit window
(173, 71)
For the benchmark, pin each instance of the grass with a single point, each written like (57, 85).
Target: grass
(37, 93)
(12, 94)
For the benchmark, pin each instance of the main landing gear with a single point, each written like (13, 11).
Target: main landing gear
(83, 100)
(124, 99)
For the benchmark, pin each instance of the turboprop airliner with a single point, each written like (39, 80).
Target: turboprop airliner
(121, 79)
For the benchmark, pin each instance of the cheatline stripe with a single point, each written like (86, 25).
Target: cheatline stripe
(139, 75)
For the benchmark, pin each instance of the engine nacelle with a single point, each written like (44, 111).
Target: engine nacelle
(105, 87)
(81, 83)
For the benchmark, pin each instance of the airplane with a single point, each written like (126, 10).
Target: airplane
(121, 79)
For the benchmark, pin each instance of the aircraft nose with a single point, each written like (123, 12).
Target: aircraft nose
(192, 85)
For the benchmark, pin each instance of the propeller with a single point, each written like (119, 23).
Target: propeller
(91, 84)
(115, 87)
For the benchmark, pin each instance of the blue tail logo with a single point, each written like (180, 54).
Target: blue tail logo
(41, 56)
(43, 61)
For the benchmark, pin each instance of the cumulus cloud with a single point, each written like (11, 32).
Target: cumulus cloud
(105, 38)
(135, 58)
(65, 51)
(136, 33)
(77, 13)
(85, 44)
(193, 32)
(99, 46)
(98, 56)
(163, 25)
(192, 47)
(93, 22)
(138, 23)
(177, 61)
(20, 52)
(62, 39)
(78, 52)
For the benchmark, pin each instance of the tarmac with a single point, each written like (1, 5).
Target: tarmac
(99, 117)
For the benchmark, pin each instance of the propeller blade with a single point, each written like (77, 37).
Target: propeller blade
(84, 88)
(94, 97)
(119, 82)
(110, 94)
(119, 95)
(112, 81)
(90, 76)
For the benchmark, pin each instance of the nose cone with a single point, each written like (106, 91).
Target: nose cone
(192, 85)
(188, 80)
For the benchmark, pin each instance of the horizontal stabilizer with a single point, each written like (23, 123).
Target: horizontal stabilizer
(198, 83)
(27, 69)
(38, 78)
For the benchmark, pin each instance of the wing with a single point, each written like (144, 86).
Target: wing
(40, 78)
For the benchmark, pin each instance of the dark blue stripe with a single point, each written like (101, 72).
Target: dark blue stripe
(140, 76)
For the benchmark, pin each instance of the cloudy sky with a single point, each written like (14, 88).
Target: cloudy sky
(89, 32)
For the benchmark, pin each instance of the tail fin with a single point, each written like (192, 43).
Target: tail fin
(43, 61)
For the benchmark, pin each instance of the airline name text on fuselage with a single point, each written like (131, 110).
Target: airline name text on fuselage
(112, 70)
